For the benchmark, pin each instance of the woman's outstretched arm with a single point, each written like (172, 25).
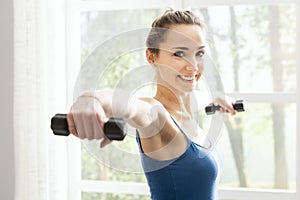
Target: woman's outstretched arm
(92, 109)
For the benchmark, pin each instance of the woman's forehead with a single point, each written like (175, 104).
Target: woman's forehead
(184, 35)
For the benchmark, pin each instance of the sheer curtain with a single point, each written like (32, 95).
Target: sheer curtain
(39, 91)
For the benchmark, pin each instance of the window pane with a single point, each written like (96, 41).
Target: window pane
(128, 167)
(253, 47)
(262, 140)
(96, 28)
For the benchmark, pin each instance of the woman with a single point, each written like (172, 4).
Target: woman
(169, 141)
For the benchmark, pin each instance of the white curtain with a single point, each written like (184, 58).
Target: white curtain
(39, 92)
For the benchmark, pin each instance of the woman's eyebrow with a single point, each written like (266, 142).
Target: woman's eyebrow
(181, 48)
(186, 48)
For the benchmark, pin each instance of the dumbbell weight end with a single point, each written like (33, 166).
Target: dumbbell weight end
(114, 128)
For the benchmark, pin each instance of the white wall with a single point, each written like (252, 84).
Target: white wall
(6, 101)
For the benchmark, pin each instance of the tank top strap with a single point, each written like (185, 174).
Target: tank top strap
(181, 130)
(138, 141)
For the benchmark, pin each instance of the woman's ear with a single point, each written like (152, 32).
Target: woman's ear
(151, 57)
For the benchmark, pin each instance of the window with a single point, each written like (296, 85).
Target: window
(254, 48)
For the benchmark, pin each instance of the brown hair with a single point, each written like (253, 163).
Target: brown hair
(161, 24)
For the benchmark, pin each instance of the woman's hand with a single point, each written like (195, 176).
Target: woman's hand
(86, 119)
(226, 104)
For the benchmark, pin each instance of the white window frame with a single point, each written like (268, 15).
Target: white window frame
(76, 185)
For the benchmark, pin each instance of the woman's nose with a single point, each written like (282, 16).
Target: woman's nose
(191, 68)
(191, 64)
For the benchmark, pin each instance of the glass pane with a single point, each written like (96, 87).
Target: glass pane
(262, 140)
(96, 28)
(253, 47)
(101, 169)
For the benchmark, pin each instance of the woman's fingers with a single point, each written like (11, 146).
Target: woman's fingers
(71, 124)
(226, 105)
(86, 119)
(105, 142)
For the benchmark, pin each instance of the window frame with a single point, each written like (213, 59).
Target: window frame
(77, 186)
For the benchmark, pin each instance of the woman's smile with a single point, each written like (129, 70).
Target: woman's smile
(187, 78)
(191, 77)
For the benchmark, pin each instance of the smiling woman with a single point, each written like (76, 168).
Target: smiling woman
(168, 138)
(181, 52)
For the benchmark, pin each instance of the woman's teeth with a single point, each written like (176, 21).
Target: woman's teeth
(187, 78)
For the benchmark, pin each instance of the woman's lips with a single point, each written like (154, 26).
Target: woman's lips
(188, 77)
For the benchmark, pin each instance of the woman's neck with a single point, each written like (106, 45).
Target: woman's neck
(175, 103)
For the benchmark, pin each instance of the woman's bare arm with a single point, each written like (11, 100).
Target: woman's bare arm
(92, 109)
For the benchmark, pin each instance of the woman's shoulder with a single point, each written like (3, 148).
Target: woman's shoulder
(151, 100)
(155, 105)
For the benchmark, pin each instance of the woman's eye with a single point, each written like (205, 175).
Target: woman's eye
(179, 54)
(200, 53)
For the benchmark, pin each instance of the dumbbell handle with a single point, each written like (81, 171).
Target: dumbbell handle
(212, 108)
(114, 128)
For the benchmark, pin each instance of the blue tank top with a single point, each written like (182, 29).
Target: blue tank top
(191, 176)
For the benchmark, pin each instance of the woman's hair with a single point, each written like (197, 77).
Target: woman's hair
(163, 23)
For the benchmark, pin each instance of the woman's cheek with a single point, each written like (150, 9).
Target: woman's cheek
(179, 64)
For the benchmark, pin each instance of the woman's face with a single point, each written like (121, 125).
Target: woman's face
(180, 57)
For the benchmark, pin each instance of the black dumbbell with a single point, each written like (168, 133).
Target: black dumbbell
(212, 108)
(114, 128)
